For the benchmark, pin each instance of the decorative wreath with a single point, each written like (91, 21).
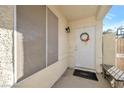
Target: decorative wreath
(84, 37)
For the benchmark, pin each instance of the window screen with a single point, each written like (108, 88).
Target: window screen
(52, 30)
(31, 32)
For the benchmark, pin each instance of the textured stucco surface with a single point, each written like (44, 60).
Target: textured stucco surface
(6, 46)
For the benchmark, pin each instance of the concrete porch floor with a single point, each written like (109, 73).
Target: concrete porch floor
(70, 81)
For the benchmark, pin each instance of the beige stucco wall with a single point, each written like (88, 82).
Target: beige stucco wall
(48, 76)
(87, 22)
(6, 46)
(99, 29)
(109, 48)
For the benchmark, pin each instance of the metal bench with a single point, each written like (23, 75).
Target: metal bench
(114, 75)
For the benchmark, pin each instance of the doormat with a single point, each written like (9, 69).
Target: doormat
(85, 74)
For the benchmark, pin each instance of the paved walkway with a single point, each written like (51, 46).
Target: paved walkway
(70, 81)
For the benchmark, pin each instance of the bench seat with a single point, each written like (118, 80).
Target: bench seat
(112, 73)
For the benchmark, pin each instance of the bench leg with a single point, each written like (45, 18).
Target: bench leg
(116, 84)
(119, 84)
(104, 76)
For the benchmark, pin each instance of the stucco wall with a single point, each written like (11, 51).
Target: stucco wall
(99, 56)
(109, 49)
(6, 46)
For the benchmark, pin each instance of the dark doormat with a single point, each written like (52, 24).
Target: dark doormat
(85, 74)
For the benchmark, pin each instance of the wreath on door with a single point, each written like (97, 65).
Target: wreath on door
(84, 37)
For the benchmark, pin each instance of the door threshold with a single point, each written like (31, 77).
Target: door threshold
(85, 69)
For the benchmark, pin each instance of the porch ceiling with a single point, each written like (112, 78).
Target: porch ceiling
(76, 12)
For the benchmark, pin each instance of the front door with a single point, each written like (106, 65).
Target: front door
(85, 50)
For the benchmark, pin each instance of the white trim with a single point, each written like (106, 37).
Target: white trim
(95, 48)
(85, 69)
(15, 46)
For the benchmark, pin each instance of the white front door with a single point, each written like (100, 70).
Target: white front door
(85, 51)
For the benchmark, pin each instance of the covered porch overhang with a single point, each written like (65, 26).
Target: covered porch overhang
(78, 12)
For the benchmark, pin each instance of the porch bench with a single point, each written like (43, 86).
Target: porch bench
(114, 75)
